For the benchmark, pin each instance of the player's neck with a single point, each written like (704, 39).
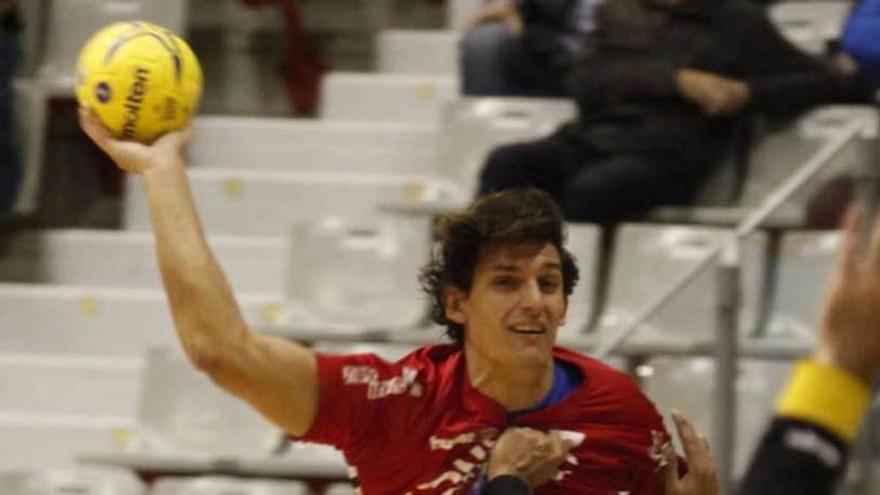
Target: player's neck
(514, 387)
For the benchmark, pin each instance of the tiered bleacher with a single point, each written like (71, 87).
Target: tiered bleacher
(320, 225)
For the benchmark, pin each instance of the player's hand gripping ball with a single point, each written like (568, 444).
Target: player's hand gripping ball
(140, 79)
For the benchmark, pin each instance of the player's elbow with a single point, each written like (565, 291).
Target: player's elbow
(212, 354)
(205, 358)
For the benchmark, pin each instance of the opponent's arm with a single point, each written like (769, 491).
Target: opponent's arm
(276, 376)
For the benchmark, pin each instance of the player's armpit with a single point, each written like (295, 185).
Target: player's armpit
(276, 376)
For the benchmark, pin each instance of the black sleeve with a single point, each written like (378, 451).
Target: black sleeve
(784, 80)
(603, 80)
(507, 485)
(795, 458)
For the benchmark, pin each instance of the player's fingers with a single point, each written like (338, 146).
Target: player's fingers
(874, 252)
(95, 129)
(848, 260)
(694, 449)
(558, 447)
(671, 474)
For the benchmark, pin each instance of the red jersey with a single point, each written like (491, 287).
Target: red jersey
(418, 427)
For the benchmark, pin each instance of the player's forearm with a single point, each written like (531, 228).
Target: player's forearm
(206, 315)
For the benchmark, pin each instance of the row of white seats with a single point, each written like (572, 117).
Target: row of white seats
(255, 143)
(127, 259)
(34, 441)
(266, 203)
(97, 321)
(453, 149)
(57, 408)
(231, 197)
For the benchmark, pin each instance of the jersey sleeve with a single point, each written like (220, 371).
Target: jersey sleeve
(352, 399)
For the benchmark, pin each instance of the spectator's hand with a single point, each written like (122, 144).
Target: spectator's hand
(714, 94)
(849, 335)
(504, 11)
(131, 156)
(702, 477)
(530, 454)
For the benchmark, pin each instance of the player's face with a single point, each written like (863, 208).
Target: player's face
(515, 305)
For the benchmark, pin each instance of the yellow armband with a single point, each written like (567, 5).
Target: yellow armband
(826, 396)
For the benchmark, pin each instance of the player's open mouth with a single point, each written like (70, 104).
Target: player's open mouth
(527, 330)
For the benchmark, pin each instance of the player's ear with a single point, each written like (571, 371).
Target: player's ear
(453, 300)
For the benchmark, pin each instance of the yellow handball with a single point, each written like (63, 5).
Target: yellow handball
(141, 80)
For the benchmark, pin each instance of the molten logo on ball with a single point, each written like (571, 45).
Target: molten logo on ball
(134, 102)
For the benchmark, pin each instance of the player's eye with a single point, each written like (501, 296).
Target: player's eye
(549, 285)
(505, 282)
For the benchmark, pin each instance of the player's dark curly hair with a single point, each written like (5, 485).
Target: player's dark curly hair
(511, 217)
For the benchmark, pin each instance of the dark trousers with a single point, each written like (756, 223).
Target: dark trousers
(588, 186)
(10, 169)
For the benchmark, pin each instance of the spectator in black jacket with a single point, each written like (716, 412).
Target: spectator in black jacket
(805, 449)
(660, 90)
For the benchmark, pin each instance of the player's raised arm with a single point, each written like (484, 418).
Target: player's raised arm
(276, 376)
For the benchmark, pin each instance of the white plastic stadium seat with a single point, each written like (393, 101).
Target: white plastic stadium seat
(810, 25)
(79, 481)
(94, 321)
(40, 384)
(419, 52)
(687, 384)
(648, 259)
(269, 203)
(70, 23)
(313, 145)
(583, 243)
(354, 275)
(94, 258)
(53, 441)
(472, 127)
(804, 264)
(385, 97)
(777, 155)
(221, 485)
(182, 410)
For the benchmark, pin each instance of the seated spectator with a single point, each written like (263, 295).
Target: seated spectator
(523, 47)
(9, 50)
(661, 89)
